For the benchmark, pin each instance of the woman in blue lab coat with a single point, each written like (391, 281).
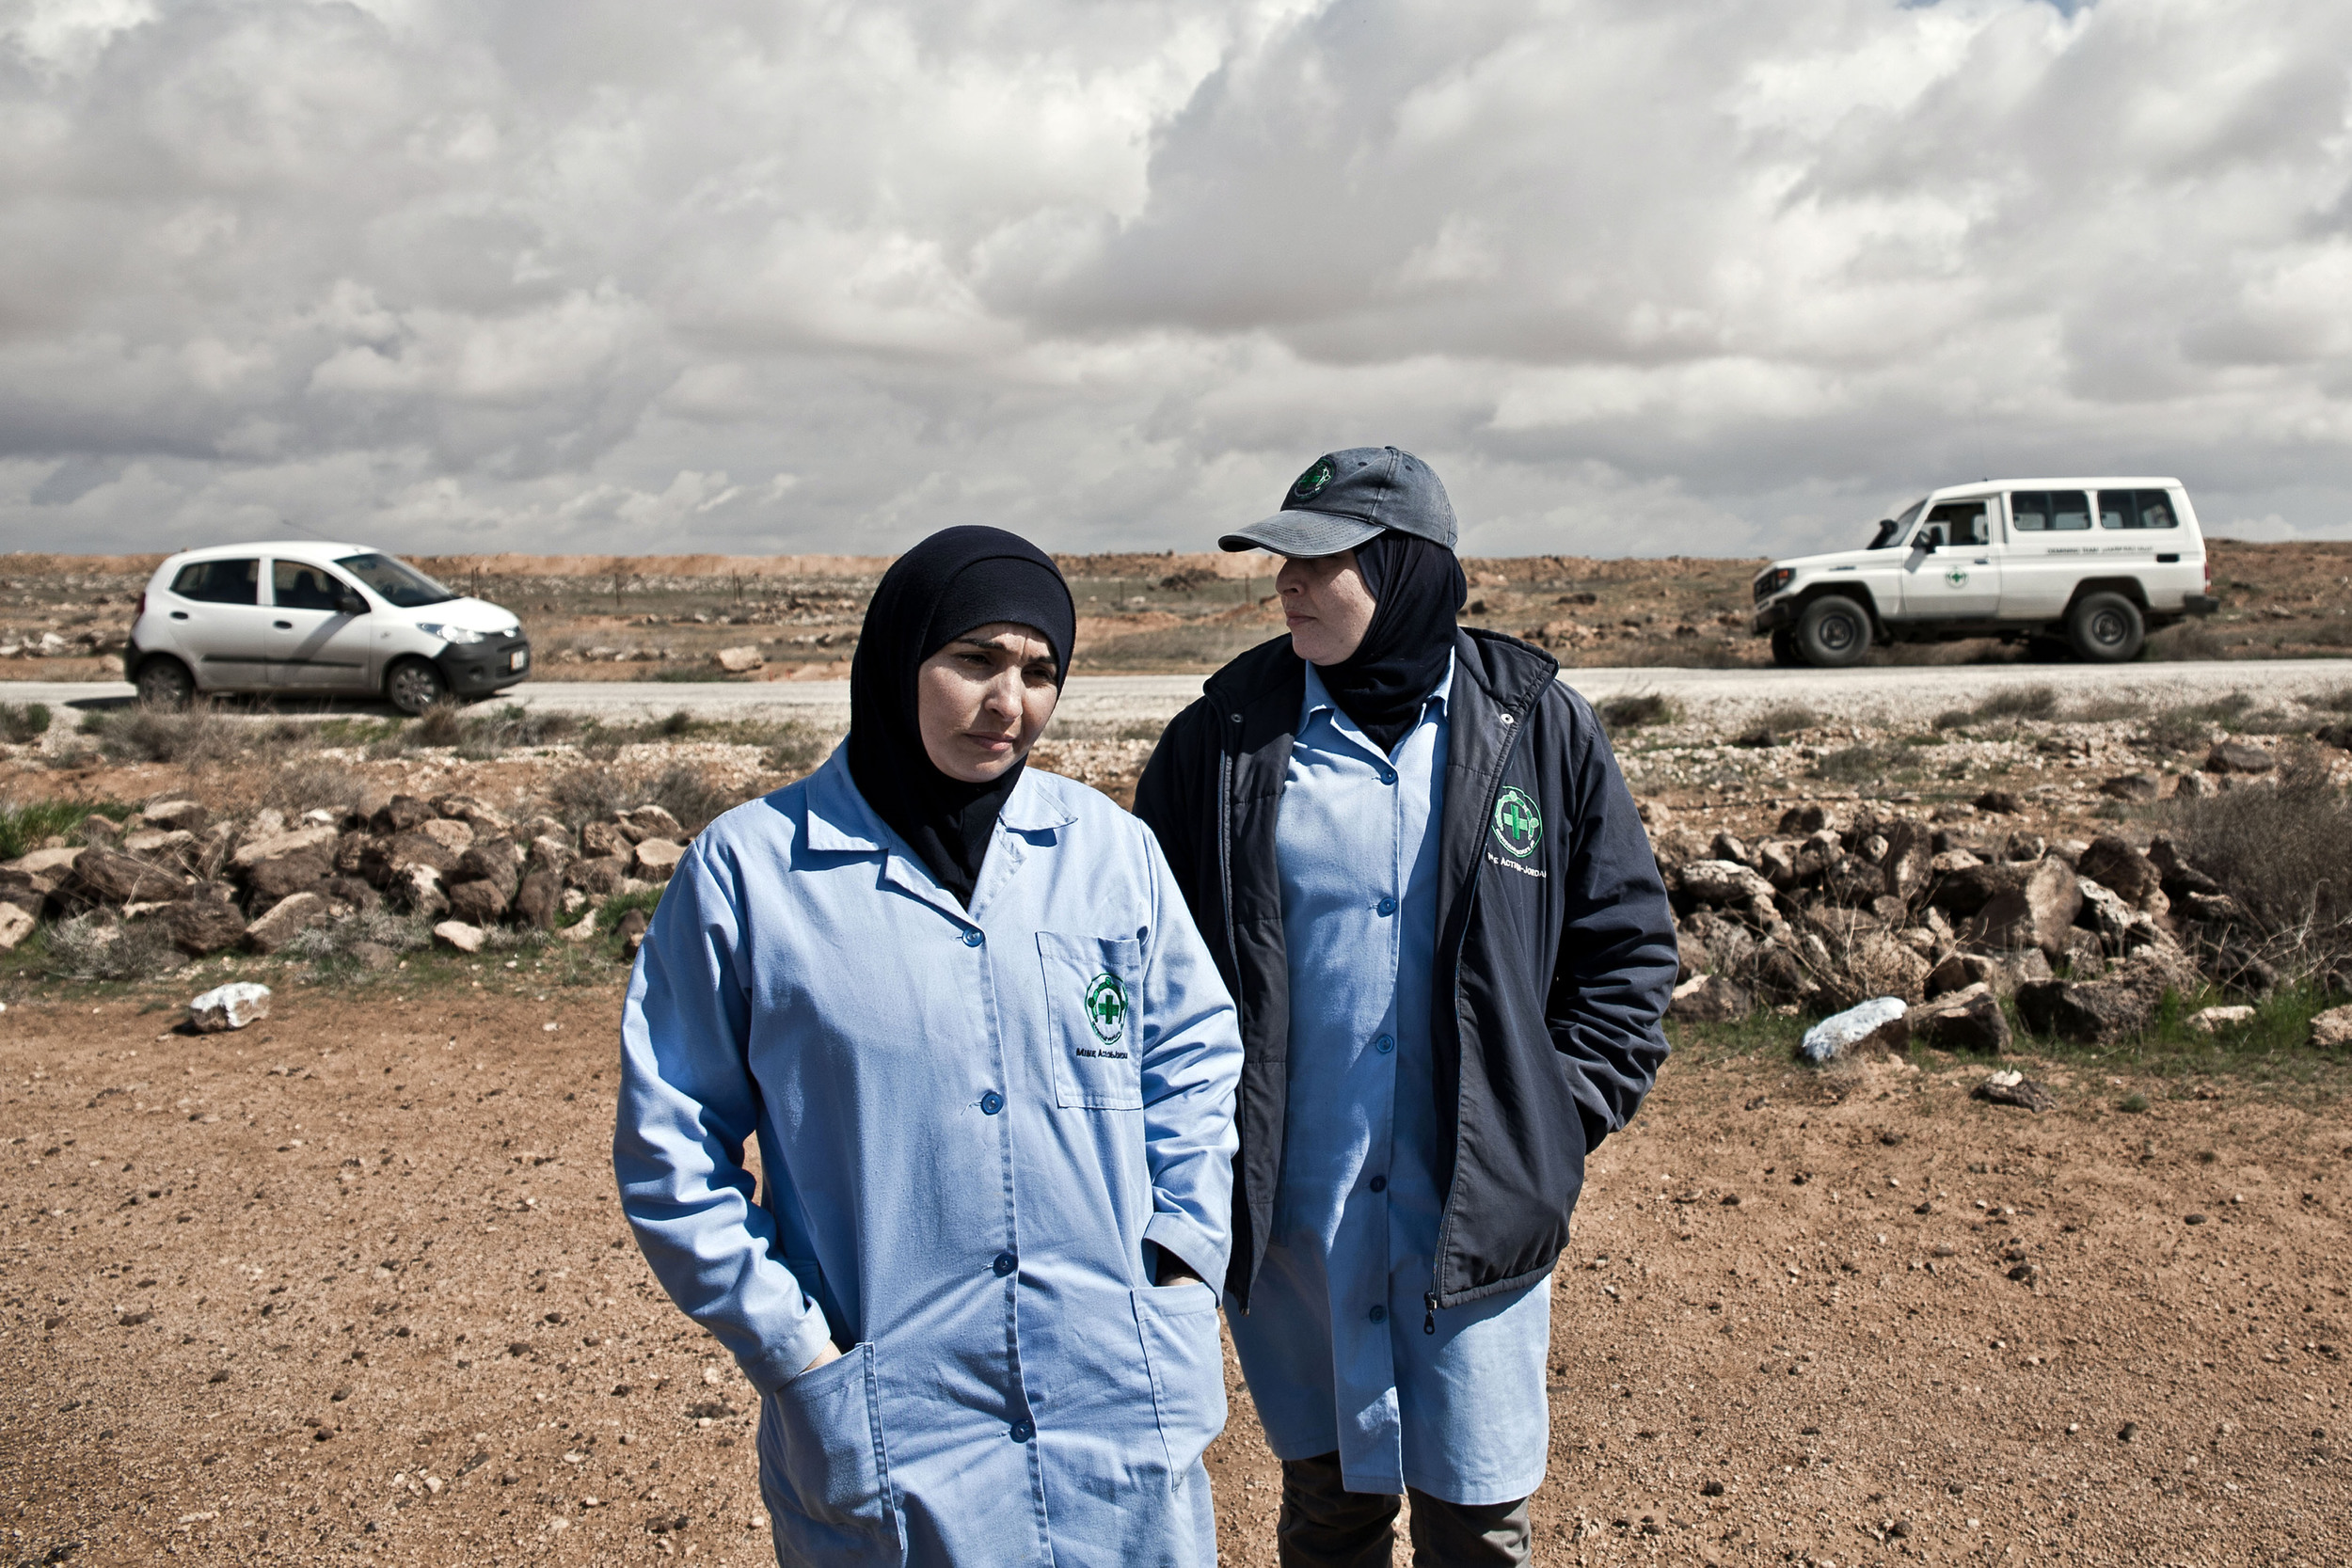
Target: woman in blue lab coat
(990, 1068)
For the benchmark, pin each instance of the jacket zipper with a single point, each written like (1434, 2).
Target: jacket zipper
(1445, 1221)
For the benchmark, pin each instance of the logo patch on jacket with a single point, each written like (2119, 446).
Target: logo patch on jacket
(1518, 827)
(1106, 1009)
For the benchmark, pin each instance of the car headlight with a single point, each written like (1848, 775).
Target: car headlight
(1775, 581)
(449, 634)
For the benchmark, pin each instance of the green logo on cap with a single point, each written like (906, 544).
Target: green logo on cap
(1314, 479)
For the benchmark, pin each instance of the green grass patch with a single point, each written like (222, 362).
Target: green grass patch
(1636, 710)
(23, 826)
(20, 722)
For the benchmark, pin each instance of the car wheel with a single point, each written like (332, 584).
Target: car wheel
(165, 683)
(1784, 651)
(414, 686)
(2105, 628)
(1832, 631)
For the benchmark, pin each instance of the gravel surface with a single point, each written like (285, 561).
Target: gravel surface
(1887, 695)
(352, 1286)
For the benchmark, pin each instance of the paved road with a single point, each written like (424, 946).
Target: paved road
(1900, 693)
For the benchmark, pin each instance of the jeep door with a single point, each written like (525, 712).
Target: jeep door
(2051, 548)
(1961, 578)
(318, 630)
(219, 623)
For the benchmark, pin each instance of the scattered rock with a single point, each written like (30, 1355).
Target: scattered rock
(1711, 999)
(483, 818)
(2210, 1021)
(372, 956)
(2089, 1012)
(2133, 786)
(495, 861)
(632, 931)
(400, 814)
(2015, 1089)
(653, 822)
(2239, 757)
(102, 875)
(202, 927)
(230, 1006)
(15, 926)
(2000, 801)
(656, 858)
(2036, 912)
(582, 930)
(458, 936)
(451, 833)
(2114, 864)
(539, 898)
(598, 875)
(737, 662)
(282, 876)
(1882, 1020)
(2196, 786)
(177, 815)
(1960, 971)
(2332, 1029)
(605, 840)
(285, 919)
(255, 850)
(417, 889)
(478, 902)
(1967, 1020)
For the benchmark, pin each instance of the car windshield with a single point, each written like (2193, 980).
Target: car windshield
(395, 581)
(1892, 530)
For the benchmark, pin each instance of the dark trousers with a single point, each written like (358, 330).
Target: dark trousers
(1323, 1525)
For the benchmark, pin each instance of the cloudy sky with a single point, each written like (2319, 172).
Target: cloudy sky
(1716, 277)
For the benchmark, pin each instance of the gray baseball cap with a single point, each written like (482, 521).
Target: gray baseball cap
(1345, 498)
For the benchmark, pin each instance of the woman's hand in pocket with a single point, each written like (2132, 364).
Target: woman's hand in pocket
(824, 1356)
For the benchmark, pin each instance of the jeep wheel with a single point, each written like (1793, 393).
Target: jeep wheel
(1785, 652)
(2105, 628)
(165, 683)
(1833, 632)
(414, 686)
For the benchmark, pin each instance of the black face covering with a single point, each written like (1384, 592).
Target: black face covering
(1418, 586)
(957, 578)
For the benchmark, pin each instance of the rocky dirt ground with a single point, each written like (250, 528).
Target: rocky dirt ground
(351, 1285)
(796, 617)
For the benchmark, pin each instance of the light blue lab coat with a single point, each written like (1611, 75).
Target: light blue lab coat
(969, 1125)
(1334, 1342)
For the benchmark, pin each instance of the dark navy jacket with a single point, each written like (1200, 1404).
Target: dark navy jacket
(1556, 946)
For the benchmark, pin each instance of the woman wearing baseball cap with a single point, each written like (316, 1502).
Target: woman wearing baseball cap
(990, 1067)
(1426, 883)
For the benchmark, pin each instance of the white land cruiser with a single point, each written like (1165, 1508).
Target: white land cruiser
(310, 618)
(2094, 564)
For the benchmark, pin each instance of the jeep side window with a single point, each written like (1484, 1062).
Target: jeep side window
(220, 582)
(2137, 509)
(1957, 523)
(2048, 511)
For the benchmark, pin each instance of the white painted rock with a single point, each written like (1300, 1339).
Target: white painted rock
(230, 1006)
(458, 934)
(1883, 1019)
(15, 926)
(738, 660)
(2207, 1021)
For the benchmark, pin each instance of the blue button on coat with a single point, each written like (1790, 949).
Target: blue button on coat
(1060, 1093)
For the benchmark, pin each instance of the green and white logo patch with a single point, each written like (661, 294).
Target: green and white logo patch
(1957, 576)
(1106, 1008)
(1519, 826)
(1313, 479)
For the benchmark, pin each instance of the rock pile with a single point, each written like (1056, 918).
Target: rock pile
(259, 883)
(1845, 904)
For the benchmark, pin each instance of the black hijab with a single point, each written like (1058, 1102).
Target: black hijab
(1418, 586)
(957, 578)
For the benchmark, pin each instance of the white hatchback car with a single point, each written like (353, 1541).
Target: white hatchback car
(305, 617)
(2093, 563)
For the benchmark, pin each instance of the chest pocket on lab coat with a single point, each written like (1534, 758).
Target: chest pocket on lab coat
(1092, 984)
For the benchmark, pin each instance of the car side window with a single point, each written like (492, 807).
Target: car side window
(2137, 509)
(1958, 523)
(300, 585)
(2048, 511)
(220, 582)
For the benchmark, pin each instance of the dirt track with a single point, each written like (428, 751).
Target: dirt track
(353, 1286)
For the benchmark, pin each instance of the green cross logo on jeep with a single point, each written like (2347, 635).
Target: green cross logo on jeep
(1106, 1009)
(1957, 576)
(1519, 826)
(1312, 480)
